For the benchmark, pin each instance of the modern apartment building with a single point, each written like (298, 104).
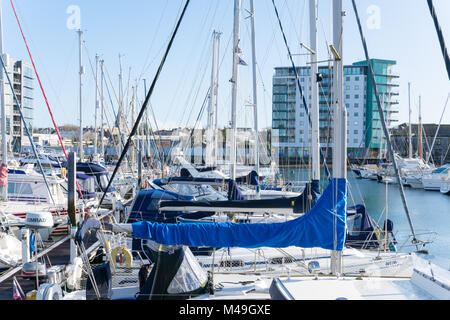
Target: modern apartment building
(290, 121)
(22, 75)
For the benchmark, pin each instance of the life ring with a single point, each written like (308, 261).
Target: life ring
(49, 291)
(125, 252)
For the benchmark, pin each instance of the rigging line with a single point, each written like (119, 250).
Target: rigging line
(437, 130)
(293, 20)
(192, 131)
(153, 141)
(201, 80)
(26, 129)
(280, 55)
(153, 42)
(115, 115)
(198, 119)
(164, 44)
(440, 36)
(39, 79)
(43, 93)
(445, 156)
(383, 123)
(159, 146)
(299, 85)
(428, 145)
(144, 106)
(196, 79)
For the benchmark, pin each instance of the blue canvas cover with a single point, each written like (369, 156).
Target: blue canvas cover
(252, 179)
(234, 193)
(146, 207)
(362, 234)
(324, 226)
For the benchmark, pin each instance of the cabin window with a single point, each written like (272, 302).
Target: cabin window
(190, 276)
(20, 188)
(354, 224)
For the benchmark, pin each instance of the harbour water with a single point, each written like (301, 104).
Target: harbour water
(429, 211)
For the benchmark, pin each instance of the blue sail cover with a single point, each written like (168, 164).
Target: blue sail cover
(324, 227)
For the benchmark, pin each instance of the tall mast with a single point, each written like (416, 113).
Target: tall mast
(96, 108)
(340, 116)
(420, 128)
(133, 114)
(315, 136)
(255, 88)
(102, 102)
(120, 114)
(409, 129)
(4, 150)
(81, 72)
(210, 134)
(234, 85)
(216, 104)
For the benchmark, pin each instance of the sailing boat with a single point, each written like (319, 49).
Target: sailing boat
(423, 284)
(324, 226)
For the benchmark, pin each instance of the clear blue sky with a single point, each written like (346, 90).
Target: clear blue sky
(139, 30)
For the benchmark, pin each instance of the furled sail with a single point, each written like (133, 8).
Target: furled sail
(323, 226)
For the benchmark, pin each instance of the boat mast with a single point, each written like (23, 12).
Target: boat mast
(420, 129)
(315, 136)
(81, 72)
(102, 107)
(234, 85)
(255, 88)
(210, 132)
(96, 108)
(340, 115)
(383, 124)
(409, 129)
(4, 150)
(216, 123)
(133, 114)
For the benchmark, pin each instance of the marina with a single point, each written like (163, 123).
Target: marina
(323, 204)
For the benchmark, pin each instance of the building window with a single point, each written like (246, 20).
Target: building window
(355, 132)
(356, 114)
(356, 96)
(356, 105)
(356, 87)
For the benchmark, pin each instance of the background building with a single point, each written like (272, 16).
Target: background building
(290, 120)
(22, 75)
(440, 152)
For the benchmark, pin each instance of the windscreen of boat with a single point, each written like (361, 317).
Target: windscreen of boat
(104, 180)
(87, 185)
(204, 192)
(190, 276)
(441, 170)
